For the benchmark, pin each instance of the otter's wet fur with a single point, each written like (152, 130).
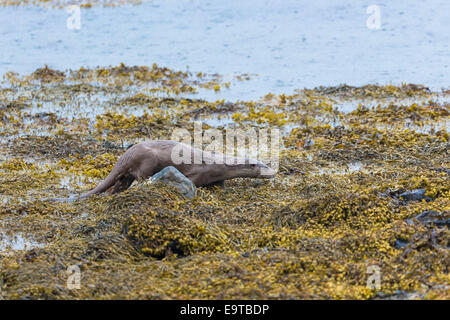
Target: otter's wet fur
(145, 159)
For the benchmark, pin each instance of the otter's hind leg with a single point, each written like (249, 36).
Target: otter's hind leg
(220, 184)
(123, 183)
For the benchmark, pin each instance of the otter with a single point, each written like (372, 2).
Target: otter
(143, 160)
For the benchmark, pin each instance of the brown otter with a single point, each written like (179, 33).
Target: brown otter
(203, 168)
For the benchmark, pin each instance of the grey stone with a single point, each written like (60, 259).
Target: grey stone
(415, 195)
(442, 223)
(175, 178)
(431, 217)
(400, 244)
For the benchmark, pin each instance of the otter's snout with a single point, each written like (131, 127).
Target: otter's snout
(254, 169)
(265, 171)
(268, 173)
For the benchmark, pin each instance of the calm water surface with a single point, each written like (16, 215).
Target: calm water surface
(289, 44)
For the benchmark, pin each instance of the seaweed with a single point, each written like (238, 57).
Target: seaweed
(334, 209)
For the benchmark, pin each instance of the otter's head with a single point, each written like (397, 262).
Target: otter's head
(252, 169)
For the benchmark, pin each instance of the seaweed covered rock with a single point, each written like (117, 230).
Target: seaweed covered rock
(432, 217)
(160, 223)
(415, 195)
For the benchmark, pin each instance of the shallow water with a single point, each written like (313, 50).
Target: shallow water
(290, 44)
(17, 242)
(351, 168)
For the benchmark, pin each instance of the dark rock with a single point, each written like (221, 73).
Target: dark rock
(400, 244)
(441, 223)
(424, 216)
(415, 195)
(431, 217)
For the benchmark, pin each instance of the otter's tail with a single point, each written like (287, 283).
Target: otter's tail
(119, 169)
